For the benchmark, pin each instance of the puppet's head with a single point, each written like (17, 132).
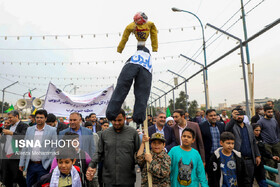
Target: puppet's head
(140, 18)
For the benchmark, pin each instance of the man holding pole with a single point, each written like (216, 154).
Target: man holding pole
(117, 148)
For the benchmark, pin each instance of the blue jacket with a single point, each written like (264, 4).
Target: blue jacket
(168, 135)
(87, 144)
(48, 134)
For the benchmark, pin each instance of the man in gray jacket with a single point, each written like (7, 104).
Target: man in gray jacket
(245, 141)
(117, 147)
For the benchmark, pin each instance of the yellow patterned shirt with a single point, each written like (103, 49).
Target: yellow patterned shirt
(141, 33)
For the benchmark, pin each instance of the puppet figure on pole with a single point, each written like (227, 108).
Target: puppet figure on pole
(138, 68)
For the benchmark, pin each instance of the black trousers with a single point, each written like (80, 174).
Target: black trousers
(142, 87)
(12, 174)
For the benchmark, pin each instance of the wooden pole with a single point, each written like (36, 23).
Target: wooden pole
(147, 148)
(253, 82)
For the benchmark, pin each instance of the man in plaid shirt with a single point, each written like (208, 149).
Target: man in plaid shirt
(211, 131)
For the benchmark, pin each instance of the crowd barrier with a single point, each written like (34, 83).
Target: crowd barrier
(276, 171)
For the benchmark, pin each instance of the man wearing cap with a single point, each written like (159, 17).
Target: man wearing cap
(159, 160)
(163, 128)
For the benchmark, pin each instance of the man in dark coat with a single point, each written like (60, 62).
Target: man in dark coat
(52, 121)
(163, 128)
(16, 131)
(211, 131)
(259, 114)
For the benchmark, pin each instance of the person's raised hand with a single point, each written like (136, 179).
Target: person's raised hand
(145, 138)
(90, 173)
(235, 114)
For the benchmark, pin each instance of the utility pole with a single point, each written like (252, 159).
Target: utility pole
(204, 80)
(250, 74)
(173, 88)
(185, 87)
(243, 65)
(164, 95)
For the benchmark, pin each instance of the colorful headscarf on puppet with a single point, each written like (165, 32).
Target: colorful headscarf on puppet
(140, 18)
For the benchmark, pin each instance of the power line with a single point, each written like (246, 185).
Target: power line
(94, 35)
(87, 48)
(199, 50)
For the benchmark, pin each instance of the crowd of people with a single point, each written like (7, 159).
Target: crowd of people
(207, 150)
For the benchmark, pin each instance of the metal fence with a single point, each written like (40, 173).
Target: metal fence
(276, 171)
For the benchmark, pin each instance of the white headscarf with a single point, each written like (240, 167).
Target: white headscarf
(169, 118)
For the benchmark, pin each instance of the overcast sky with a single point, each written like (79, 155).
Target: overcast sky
(95, 63)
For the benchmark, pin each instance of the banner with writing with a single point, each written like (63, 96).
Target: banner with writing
(63, 104)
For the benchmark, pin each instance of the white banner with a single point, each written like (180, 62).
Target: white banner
(63, 104)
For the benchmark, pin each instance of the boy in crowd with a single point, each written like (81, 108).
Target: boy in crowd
(159, 161)
(229, 163)
(65, 174)
(186, 164)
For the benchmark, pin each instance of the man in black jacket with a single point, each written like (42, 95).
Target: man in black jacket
(15, 132)
(52, 121)
(211, 131)
(163, 128)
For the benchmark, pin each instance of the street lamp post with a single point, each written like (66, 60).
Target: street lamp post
(243, 65)
(4, 96)
(173, 88)
(204, 49)
(164, 94)
(204, 79)
(185, 87)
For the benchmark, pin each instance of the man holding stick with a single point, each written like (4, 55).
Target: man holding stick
(117, 147)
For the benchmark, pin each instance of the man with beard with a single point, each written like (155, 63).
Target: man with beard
(269, 134)
(276, 114)
(163, 128)
(211, 131)
(181, 124)
(245, 141)
(117, 147)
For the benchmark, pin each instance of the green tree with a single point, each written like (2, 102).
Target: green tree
(181, 101)
(6, 106)
(277, 104)
(193, 106)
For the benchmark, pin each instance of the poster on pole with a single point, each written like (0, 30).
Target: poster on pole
(63, 104)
